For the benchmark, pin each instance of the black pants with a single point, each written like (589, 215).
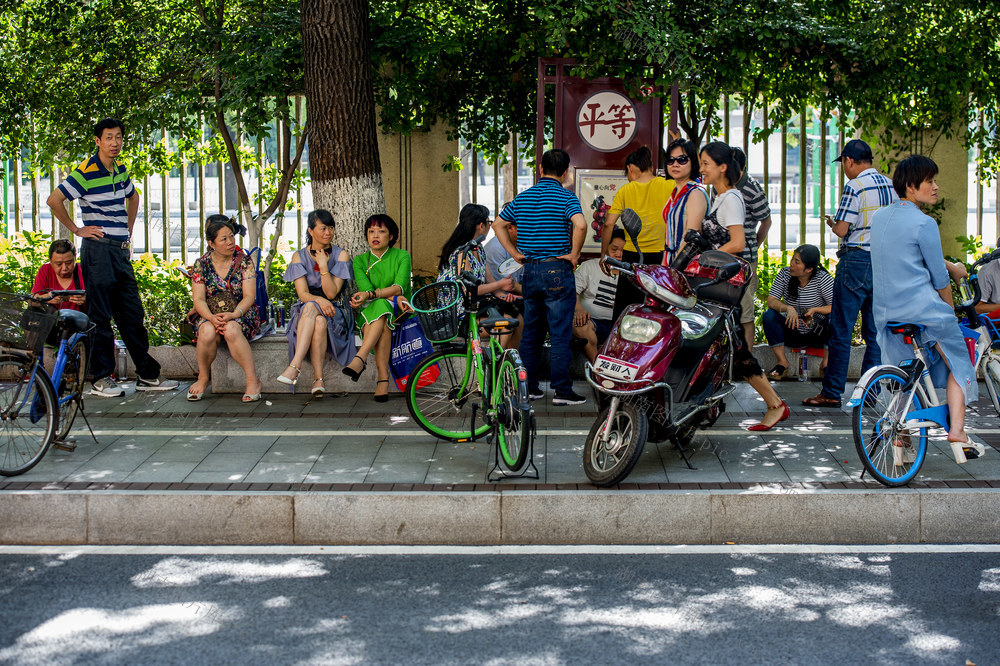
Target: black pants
(627, 293)
(112, 293)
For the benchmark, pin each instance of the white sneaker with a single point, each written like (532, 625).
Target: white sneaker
(106, 388)
(161, 383)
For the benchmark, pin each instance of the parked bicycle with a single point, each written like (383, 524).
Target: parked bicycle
(894, 406)
(37, 410)
(451, 389)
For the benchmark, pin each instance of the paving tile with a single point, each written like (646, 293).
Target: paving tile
(167, 471)
(293, 472)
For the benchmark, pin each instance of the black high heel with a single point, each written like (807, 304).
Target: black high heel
(353, 374)
(381, 398)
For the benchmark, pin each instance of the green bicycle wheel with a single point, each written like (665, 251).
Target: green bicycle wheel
(512, 411)
(441, 393)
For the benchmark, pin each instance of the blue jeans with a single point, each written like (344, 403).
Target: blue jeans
(549, 291)
(852, 293)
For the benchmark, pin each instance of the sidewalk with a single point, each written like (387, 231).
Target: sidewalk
(347, 448)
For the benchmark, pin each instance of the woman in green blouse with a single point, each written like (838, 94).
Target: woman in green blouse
(380, 273)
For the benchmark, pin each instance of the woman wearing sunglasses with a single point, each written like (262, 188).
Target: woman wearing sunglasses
(688, 203)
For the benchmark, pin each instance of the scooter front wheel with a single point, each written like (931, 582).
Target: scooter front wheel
(608, 462)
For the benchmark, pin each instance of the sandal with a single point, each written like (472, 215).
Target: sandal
(355, 374)
(282, 379)
(253, 397)
(821, 400)
(777, 373)
(195, 397)
(319, 388)
(385, 396)
(965, 450)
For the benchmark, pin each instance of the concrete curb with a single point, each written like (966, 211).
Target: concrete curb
(504, 517)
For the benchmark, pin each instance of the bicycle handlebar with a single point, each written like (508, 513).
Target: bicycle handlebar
(622, 266)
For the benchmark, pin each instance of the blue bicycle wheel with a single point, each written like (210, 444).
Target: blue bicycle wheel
(892, 455)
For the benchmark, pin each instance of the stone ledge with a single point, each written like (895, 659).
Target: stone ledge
(504, 517)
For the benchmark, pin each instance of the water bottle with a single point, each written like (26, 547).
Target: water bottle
(271, 314)
(281, 315)
(966, 297)
(121, 360)
(803, 367)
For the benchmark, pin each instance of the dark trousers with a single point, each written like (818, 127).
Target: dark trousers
(627, 293)
(549, 291)
(777, 333)
(112, 293)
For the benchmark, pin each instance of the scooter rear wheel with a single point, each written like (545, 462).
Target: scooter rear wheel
(608, 463)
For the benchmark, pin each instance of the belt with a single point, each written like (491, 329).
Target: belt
(546, 260)
(114, 242)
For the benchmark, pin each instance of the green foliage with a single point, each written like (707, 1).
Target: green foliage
(166, 297)
(277, 288)
(20, 259)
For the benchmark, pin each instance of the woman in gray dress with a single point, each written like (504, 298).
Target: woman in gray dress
(319, 322)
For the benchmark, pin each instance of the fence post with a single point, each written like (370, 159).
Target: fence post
(784, 186)
(165, 202)
(36, 203)
(201, 191)
(4, 214)
(803, 168)
(52, 186)
(767, 177)
(260, 176)
(183, 193)
(979, 180)
(147, 245)
(18, 209)
(298, 189)
(475, 175)
(822, 181)
(725, 119)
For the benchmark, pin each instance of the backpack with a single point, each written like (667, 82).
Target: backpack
(261, 299)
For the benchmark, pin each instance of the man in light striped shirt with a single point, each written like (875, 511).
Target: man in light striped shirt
(108, 206)
(865, 192)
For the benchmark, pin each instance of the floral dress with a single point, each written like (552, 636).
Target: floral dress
(241, 268)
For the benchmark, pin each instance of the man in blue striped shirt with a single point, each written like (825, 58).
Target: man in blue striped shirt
(550, 234)
(108, 206)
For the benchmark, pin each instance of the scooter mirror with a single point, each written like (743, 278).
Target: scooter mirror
(728, 271)
(632, 223)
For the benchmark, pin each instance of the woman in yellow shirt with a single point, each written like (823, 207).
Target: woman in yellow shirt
(646, 194)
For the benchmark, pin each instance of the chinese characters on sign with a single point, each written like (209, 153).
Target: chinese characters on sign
(607, 121)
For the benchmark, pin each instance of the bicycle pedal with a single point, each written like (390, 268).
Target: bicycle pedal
(65, 446)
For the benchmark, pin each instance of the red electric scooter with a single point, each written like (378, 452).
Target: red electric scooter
(667, 365)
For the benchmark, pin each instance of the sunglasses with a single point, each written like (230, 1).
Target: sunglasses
(681, 159)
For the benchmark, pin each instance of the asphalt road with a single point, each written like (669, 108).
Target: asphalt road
(558, 606)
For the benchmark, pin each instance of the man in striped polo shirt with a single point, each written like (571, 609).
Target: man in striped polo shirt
(550, 234)
(865, 192)
(108, 205)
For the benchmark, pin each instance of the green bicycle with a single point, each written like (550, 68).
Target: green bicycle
(449, 387)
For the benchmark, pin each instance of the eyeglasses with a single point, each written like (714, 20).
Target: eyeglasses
(680, 159)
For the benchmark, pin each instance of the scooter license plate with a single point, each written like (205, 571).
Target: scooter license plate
(615, 369)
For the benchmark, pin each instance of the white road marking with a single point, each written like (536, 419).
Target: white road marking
(409, 432)
(721, 549)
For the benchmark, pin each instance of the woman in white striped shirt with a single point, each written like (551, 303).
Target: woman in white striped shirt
(798, 304)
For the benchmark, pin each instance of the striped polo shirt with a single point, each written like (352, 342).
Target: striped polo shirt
(861, 198)
(542, 214)
(102, 195)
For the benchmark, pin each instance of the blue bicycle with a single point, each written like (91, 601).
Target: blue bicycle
(37, 410)
(894, 406)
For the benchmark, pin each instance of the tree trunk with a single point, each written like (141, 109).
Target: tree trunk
(344, 163)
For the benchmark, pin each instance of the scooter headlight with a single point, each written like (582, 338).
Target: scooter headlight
(637, 329)
(666, 295)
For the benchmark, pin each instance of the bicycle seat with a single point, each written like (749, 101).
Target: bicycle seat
(74, 320)
(494, 322)
(903, 328)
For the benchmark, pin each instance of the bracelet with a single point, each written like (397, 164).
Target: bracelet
(327, 273)
(241, 311)
(373, 294)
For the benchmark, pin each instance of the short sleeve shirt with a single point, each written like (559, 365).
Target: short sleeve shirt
(757, 209)
(596, 290)
(542, 214)
(648, 201)
(862, 196)
(101, 194)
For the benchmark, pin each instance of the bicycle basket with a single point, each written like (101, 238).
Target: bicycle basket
(437, 308)
(25, 324)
